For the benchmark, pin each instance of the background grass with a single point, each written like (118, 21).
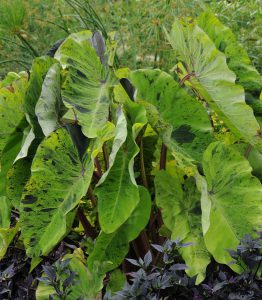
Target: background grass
(29, 27)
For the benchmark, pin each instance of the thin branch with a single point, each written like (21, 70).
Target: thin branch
(91, 195)
(89, 230)
(152, 227)
(162, 164)
(139, 141)
(98, 167)
(142, 165)
(141, 244)
(106, 157)
(96, 176)
(187, 77)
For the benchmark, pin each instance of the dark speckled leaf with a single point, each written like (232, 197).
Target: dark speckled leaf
(164, 130)
(181, 212)
(191, 125)
(8, 156)
(16, 179)
(12, 119)
(85, 89)
(232, 201)
(6, 237)
(59, 179)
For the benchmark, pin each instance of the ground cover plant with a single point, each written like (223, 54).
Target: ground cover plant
(102, 166)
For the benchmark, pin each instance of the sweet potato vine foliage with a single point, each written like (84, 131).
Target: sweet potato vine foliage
(116, 159)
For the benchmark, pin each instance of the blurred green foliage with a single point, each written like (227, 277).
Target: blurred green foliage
(245, 19)
(29, 27)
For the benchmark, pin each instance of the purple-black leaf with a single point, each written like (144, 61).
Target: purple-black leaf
(178, 267)
(148, 258)
(133, 262)
(50, 272)
(158, 248)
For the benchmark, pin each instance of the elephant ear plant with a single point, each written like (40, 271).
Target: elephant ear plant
(108, 161)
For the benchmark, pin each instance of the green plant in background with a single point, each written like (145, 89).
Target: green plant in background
(244, 18)
(21, 25)
(141, 23)
(130, 157)
(136, 23)
(13, 16)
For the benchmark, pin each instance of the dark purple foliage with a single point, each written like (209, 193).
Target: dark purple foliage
(167, 279)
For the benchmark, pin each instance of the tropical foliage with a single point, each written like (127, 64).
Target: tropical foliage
(110, 160)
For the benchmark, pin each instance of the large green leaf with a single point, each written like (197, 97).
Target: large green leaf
(231, 201)
(237, 57)
(143, 111)
(8, 155)
(49, 106)
(118, 194)
(5, 209)
(119, 139)
(59, 180)
(38, 72)
(136, 113)
(191, 125)
(33, 134)
(181, 212)
(253, 156)
(6, 237)
(28, 142)
(164, 131)
(207, 73)
(116, 282)
(113, 247)
(16, 179)
(103, 135)
(11, 111)
(85, 89)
